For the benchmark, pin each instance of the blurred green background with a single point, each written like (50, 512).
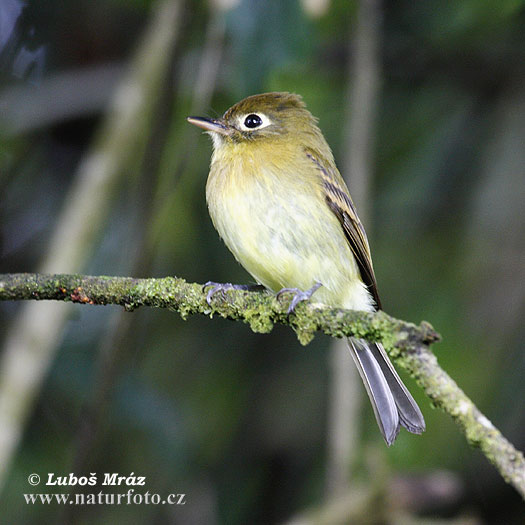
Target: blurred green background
(238, 421)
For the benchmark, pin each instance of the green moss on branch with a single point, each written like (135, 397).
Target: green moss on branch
(406, 343)
(260, 310)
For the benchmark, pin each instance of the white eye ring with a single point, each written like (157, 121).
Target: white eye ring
(264, 121)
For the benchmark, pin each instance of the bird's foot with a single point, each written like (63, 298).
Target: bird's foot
(299, 295)
(223, 287)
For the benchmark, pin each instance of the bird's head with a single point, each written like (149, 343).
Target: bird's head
(268, 118)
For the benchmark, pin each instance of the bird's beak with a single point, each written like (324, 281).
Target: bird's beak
(210, 124)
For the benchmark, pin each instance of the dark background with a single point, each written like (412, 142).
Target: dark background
(237, 420)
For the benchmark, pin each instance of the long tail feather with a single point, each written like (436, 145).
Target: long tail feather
(410, 415)
(392, 403)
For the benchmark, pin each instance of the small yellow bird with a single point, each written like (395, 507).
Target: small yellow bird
(281, 206)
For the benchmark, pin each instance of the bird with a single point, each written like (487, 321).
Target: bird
(281, 206)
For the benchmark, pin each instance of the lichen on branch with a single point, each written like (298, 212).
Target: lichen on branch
(260, 310)
(406, 343)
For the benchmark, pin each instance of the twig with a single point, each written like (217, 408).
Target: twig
(258, 309)
(406, 343)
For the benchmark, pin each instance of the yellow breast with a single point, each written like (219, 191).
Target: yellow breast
(276, 223)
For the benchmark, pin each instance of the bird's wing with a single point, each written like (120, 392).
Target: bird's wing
(339, 201)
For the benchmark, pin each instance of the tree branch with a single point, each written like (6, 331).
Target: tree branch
(406, 343)
(260, 310)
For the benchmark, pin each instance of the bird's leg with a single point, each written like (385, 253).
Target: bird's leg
(223, 287)
(299, 295)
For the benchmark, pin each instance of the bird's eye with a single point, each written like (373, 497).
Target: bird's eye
(252, 121)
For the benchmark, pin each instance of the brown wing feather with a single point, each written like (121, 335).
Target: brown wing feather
(339, 201)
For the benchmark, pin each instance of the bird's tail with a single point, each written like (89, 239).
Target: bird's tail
(392, 403)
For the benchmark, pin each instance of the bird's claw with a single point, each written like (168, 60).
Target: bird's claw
(298, 295)
(216, 288)
(224, 287)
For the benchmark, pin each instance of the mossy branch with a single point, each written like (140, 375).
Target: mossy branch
(406, 343)
(260, 310)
